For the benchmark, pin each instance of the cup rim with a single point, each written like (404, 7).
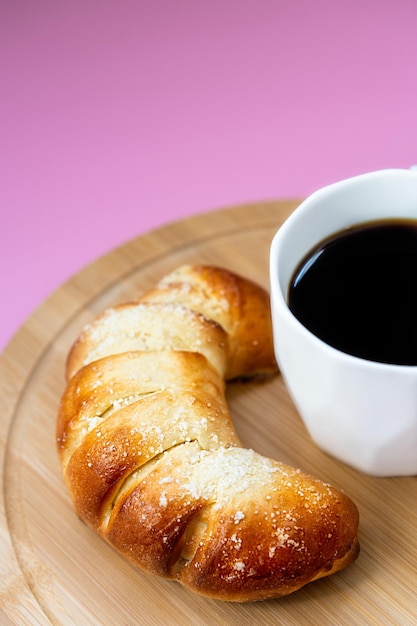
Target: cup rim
(278, 299)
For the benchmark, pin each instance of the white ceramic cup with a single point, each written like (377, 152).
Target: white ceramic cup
(361, 412)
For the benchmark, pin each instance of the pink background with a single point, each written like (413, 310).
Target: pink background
(117, 117)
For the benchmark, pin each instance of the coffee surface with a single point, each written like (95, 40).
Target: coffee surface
(357, 291)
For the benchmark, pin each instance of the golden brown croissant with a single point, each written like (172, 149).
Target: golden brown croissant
(153, 463)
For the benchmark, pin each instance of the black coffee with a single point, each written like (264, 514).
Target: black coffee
(357, 291)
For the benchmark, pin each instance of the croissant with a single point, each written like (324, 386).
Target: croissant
(152, 460)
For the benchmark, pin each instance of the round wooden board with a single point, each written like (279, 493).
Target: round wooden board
(53, 569)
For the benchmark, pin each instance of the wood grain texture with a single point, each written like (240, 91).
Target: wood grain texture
(53, 569)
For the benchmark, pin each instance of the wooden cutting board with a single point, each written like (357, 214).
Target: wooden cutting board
(53, 569)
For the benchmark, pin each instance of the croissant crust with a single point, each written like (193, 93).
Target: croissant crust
(151, 458)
